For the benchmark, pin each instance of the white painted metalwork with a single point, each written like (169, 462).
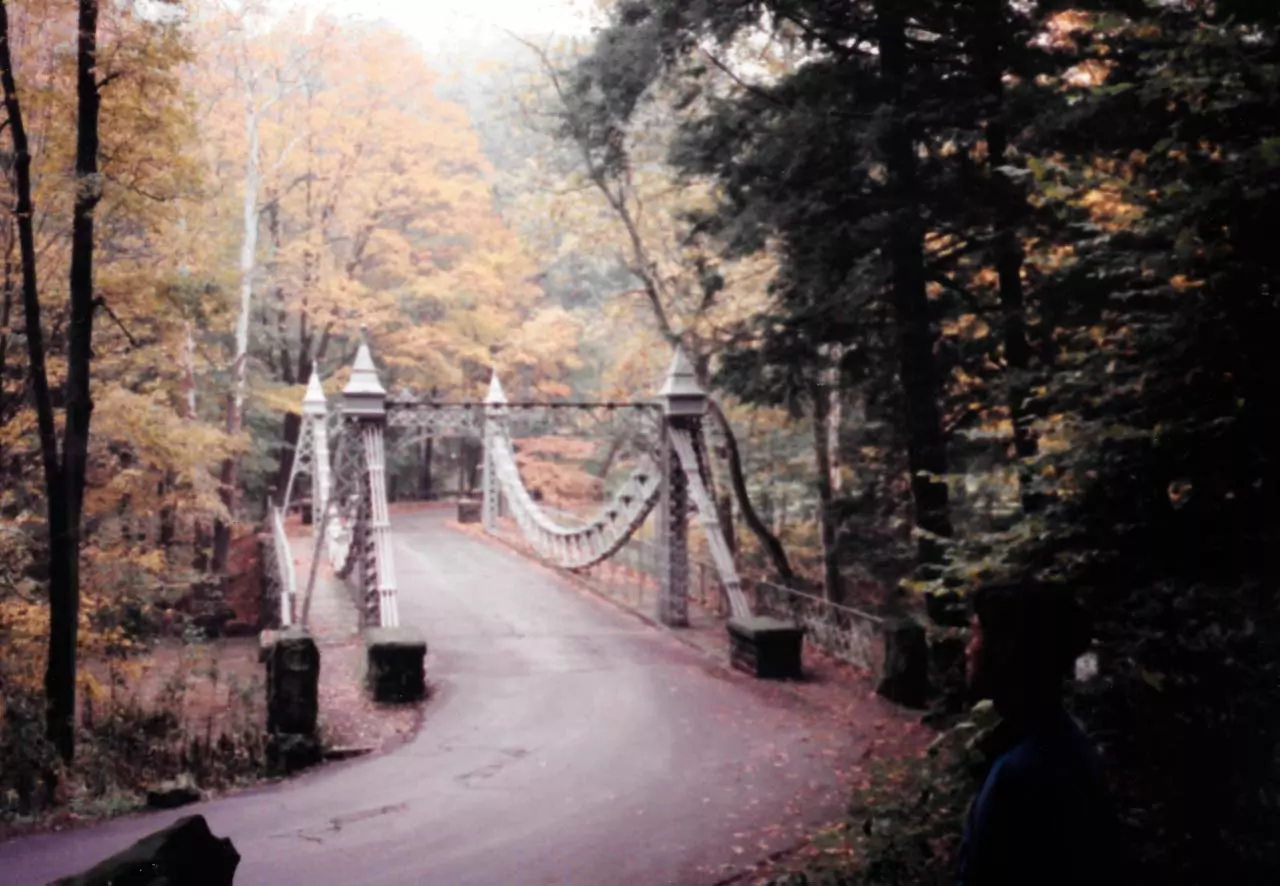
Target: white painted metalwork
(382, 562)
(353, 525)
(364, 396)
(494, 414)
(573, 547)
(683, 445)
(681, 395)
(311, 454)
(436, 419)
(280, 570)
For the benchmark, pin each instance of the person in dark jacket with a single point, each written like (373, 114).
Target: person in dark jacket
(1042, 817)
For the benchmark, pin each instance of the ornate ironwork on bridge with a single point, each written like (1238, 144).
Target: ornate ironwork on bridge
(349, 490)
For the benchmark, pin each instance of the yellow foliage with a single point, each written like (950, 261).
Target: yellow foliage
(639, 222)
(381, 211)
(969, 326)
(1109, 209)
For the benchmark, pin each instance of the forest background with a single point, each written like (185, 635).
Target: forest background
(981, 289)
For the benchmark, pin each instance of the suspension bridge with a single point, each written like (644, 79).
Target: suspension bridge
(566, 741)
(342, 452)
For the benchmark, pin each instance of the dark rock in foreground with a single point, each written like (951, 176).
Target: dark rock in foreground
(184, 854)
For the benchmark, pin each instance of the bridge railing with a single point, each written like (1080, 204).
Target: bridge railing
(280, 570)
(843, 632)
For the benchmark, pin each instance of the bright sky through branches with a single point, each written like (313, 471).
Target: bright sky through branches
(439, 22)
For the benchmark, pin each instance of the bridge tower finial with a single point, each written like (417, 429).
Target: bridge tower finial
(681, 394)
(364, 393)
(496, 394)
(314, 403)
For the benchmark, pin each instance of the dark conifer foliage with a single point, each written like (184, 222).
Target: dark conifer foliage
(1094, 186)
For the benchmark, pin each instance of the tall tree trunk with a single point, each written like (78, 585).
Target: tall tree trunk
(168, 518)
(291, 427)
(201, 544)
(926, 444)
(59, 678)
(64, 482)
(239, 370)
(835, 416)
(6, 317)
(832, 585)
(470, 457)
(991, 40)
(427, 450)
(79, 402)
(290, 433)
(462, 466)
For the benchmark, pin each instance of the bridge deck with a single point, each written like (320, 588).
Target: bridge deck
(568, 743)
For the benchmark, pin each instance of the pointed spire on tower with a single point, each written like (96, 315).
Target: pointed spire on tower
(496, 394)
(681, 394)
(364, 393)
(314, 403)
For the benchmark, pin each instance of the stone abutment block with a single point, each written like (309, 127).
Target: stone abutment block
(395, 664)
(293, 698)
(905, 679)
(767, 648)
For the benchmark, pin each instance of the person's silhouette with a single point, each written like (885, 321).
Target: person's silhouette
(1042, 817)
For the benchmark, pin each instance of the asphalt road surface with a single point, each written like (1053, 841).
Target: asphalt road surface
(568, 743)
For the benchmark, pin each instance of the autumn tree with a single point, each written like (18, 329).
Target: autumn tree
(623, 194)
(373, 209)
(90, 197)
(64, 464)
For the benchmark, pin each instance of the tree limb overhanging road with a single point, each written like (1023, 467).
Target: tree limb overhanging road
(567, 742)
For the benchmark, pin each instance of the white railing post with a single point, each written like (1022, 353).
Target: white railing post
(315, 411)
(284, 565)
(494, 413)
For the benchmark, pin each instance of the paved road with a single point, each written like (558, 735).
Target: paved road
(569, 743)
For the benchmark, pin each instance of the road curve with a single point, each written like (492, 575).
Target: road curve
(568, 743)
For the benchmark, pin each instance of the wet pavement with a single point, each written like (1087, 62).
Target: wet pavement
(567, 742)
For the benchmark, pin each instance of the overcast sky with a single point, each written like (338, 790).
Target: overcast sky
(441, 22)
